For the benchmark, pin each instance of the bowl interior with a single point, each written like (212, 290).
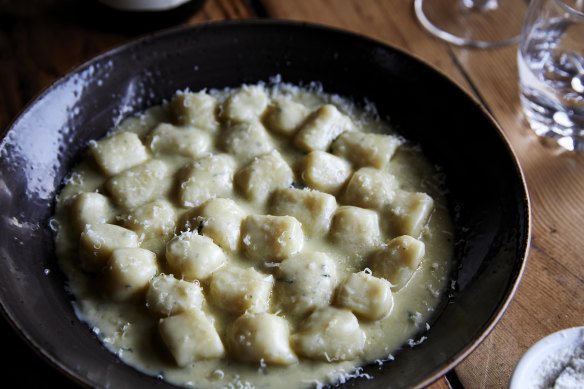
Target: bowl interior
(487, 194)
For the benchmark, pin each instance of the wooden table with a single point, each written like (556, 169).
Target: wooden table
(41, 40)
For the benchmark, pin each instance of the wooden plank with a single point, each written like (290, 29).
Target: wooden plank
(222, 10)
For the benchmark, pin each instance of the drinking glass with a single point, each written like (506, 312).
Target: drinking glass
(473, 23)
(551, 70)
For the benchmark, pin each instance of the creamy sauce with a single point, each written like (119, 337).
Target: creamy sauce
(129, 328)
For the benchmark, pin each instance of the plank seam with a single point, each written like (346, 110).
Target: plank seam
(467, 78)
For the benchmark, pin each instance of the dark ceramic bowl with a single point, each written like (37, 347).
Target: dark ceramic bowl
(487, 192)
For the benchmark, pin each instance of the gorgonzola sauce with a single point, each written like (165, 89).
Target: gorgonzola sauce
(254, 237)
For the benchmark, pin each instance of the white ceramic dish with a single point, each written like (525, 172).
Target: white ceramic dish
(547, 358)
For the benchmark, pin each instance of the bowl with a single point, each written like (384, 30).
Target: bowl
(487, 193)
(548, 358)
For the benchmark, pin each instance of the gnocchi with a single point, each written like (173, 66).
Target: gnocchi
(157, 218)
(189, 142)
(119, 152)
(246, 140)
(261, 337)
(190, 337)
(371, 188)
(128, 272)
(398, 260)
(355, 228)
(193, 257)
(285, 116)
(409, 213)
(366, 149)
(271, 238)
(306, 281)
(313, 209)
(266, 173)
(98, 242)
(321, 128)
(324, 172)
(330, 334)
(167, 295)
(246, 104)
(220, 219)
(198, 110)
(254, 236)
(239, 290)
(366, 296)
(91, 208)
(207, 178)
(139, 184)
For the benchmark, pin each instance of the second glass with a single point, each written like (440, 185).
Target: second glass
(551, 70)
(473, 23)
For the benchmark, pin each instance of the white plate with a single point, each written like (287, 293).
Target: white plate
(547, 356)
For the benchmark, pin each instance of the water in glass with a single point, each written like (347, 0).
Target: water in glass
(551, 78)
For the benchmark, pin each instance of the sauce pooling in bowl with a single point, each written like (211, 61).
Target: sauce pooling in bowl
(255, 236)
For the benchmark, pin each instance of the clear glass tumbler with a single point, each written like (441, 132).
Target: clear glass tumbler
(551, 70)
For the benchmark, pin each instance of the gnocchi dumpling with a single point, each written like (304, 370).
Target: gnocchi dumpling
(366, 149)
(246, 104)
(261, 338)
(168, 296)
(313, 209)
(91, 208)
(246, 140)
(409, 213)
(355, 227)
(321, 128)
(151, 220)
(398, 260)
(198, 110)
(285, 116)
(330, 334)
(98, 242)
(128, 273)
(143, 123)
(324, 172)
(265, 173)
(190, 337)
(238, 290)
(186, 141)
(366, 296)
(220, 219)
(305, 281)
(371, 188)
(193, 257)
(207, 178)
(139, 184)
(271, 238)
(118, 152)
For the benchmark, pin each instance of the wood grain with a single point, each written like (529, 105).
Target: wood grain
(41, 40)
(387, 21)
